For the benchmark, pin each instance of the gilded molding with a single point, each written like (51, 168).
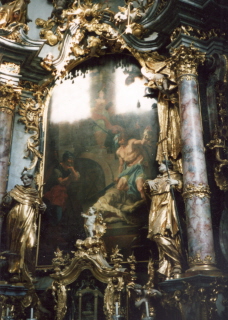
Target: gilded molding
(205, 296)
(29, 86)
(188, 77)
(193, 261)
(163, 4)
(196, 33)
(192, 190)
(220, 136)
(184, 60)
(31, 112)
(90, 254)
(10, 67)
(89, 17)
(13, 32)
(9, 97)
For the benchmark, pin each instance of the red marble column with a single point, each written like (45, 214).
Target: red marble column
(196, 190)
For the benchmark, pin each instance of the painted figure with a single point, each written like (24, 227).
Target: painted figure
(101, 118)
(131, 172)
(25, 204)
(90, 221)
(15, 11)
(163, 226)
(59, 185)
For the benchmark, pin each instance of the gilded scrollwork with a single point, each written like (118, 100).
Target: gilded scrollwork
(13, 32)
(13, 17)
(219, 142)
(132, 263)
(47, 33)
(15, 11)
(197, 260)
(32, 112)
(89, 17)
(10, 67)
(112, 296)
(196, 33)
(209, 298)
(60, 298)
(9, 97)
(163, 4)
(28, 86)
(90, 254)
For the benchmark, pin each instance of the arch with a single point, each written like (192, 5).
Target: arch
(104, 165)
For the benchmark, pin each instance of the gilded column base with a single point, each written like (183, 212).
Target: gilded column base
(207, 269)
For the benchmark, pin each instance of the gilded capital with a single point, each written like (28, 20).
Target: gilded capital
(185, 60)
(9, 97)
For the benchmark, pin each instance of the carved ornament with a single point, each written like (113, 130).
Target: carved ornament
(203, 295)
(13, 18)
(192, 190)
(90, 254)
(196, 33)
(13, 32)
(89, 16)
(29, 86)
(9, 97)
(10, 67)
(31, 112)
(193, 261)
(185, 60)
(163, 4)
(219, 143)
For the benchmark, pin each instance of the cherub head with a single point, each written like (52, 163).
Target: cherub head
(92, 211)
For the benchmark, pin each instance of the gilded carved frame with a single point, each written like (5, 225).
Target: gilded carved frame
(80, 23)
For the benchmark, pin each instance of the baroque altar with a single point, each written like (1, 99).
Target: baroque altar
(114, 116)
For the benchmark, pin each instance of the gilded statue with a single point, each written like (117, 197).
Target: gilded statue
(14, 11)
(163, 221)
(24, 205)
(155, 68)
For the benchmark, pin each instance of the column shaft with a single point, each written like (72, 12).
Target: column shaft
(9, 97)
(196, 190)
(185, 61)
(6, 120)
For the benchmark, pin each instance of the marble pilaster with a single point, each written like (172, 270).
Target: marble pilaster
(196, 190)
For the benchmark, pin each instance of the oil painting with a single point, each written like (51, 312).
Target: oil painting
(100, 147)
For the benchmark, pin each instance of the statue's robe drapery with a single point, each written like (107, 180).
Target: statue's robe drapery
(163, 226)
(169, 136)
(21, 224)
